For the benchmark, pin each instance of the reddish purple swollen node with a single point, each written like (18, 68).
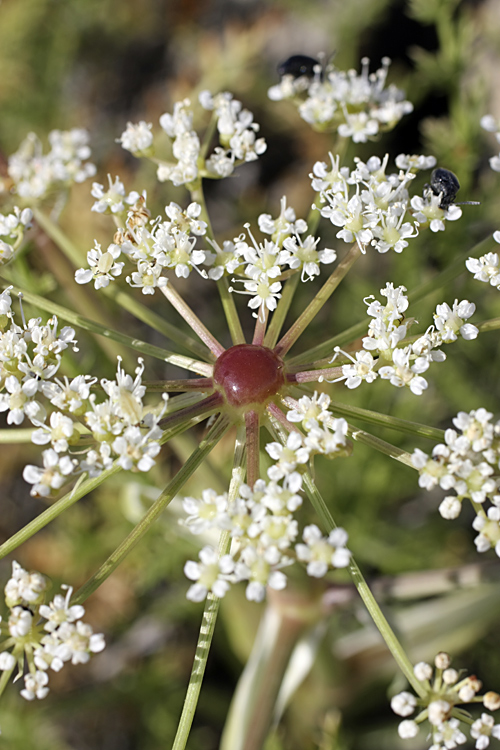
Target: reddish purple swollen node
(249, 374)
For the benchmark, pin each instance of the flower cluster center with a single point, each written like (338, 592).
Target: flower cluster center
(248, 374)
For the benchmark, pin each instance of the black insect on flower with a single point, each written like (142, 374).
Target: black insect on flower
(445, 184)
(297, 66)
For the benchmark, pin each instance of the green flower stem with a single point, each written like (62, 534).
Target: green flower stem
(16, 436)
(168, 386)
(369, 600)
(252, 445)
(5, 678)
(210, 611)
(201, 409)
(84, 487)
(230, 311)
(171, 490)
(489, 325)
(192, 320)
(202, 368)
(227, 299)
(386, 420)
(366, 595)
(380, 445)
(281, 311)
(324, 294)
(325, 349)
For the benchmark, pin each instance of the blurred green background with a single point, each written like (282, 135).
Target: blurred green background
(99, 63)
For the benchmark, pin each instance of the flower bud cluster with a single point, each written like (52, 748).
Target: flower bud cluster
(35, 174)
(237, 139)
(357, 106)
(468, 463)
(373, 208)
(444, 688)
(261, 520)
(47, 636)
(383, 351)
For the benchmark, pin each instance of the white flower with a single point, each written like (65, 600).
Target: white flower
(55, 472)
(103, 266)
(404, 703)
(321, 552)
(20, 622)
(23, 587)
(137, 137)
(203, 514)
(408, 729)
(59, 610)
(35, 686)
(484, 728)
(211, 574)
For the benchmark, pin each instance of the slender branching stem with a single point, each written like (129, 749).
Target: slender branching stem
(192, 320)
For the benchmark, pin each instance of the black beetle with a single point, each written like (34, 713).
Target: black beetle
(297, 66)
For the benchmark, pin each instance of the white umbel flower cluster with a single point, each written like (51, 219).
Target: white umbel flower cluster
(261, 520)
(261, 264)
(238, 141)
(383, 351)
(124, 430)
(264, 531)
(445, 689)
(468, 464)
(356, 105)
(49, 645)
(35, 174)
(374, 208)
(154, 246)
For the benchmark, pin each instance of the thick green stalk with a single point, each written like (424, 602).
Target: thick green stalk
(386, 420)
(171, 490)
(209, 613)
